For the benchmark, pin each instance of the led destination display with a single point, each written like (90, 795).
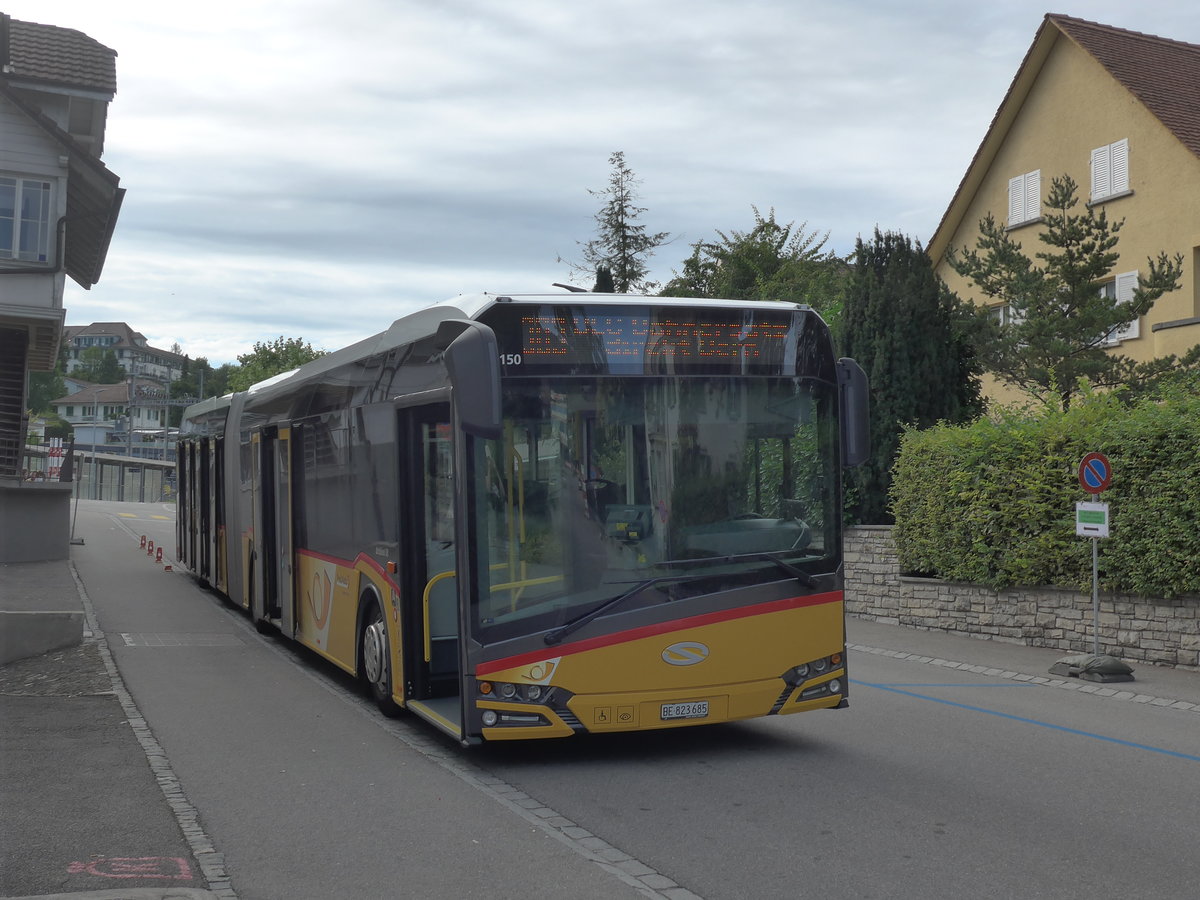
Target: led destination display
(641, 340)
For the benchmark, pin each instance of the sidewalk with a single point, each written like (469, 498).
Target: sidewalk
(80, 808)
(85, 816)
(40, 609)
(1152, 684)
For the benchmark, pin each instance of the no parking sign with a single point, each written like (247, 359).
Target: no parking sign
(1095, 473)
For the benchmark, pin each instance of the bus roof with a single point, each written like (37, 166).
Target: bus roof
(423, 324)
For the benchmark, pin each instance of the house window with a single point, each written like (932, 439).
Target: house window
(1121, 289)
(1110, 170)
(1004, 315)
(1024, 198)
(24, 220)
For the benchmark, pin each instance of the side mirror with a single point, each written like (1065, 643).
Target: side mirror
(471, 354)
(854, 411)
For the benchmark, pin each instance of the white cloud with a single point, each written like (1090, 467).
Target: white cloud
(316, 169)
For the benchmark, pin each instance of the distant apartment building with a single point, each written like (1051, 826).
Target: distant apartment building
(133, 353)
(128, 417)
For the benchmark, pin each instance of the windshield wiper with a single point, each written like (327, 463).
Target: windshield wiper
(791, 568)
(770, 555)
(556, 636)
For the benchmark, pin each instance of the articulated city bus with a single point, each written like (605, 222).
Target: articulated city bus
(538, 516)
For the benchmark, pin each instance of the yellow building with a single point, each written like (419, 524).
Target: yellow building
(1119, 112)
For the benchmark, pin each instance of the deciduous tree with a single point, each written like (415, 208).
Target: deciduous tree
(771, 261)
(271, 358)
(99, 366)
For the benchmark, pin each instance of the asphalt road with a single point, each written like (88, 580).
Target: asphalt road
(938, 782)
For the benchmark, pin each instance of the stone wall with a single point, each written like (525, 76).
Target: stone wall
(1136, 629)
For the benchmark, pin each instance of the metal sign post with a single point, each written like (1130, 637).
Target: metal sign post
(1095, 475)
(1091, 521)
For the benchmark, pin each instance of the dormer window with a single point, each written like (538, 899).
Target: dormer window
(24, 220)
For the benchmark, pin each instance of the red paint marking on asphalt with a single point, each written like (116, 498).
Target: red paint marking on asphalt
(135, 867)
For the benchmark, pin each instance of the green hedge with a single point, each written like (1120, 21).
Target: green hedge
(993, 503)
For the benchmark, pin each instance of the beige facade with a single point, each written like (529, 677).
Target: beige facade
(1127, 105)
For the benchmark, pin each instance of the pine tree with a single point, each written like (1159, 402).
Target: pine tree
(622, 245)
(1057, 324)
(604, 281)
(914, 339)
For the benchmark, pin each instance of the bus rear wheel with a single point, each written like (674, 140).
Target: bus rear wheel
(376, 655)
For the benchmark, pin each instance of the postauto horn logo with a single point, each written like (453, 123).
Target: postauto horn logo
(685, 653)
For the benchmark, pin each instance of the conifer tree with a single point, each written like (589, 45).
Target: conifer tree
(622, 245)
(1058, 327)
(914, 339)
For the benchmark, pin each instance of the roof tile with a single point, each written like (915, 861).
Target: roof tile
(54, 55)
(1163, 74)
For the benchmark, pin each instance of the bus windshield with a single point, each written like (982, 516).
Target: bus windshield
(619, 492)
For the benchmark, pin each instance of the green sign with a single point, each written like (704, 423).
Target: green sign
(1091, 520)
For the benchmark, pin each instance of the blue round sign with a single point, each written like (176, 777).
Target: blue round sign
(1095, 473)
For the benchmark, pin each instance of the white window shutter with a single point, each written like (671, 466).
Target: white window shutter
(1101, 180)
(1016, 200)
(1126, 285)
(1033, 195)
(1119, 166)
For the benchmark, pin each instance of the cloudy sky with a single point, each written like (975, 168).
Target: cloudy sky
(316, 169)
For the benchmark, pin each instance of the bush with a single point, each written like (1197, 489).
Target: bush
(993, 503)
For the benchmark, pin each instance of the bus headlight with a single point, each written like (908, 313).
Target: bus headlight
(801, 674)
(490, 718)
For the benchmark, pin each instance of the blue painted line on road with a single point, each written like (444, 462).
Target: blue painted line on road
(1022, 719)
(951, 684)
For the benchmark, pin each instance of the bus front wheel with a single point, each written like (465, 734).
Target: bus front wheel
(375, 653)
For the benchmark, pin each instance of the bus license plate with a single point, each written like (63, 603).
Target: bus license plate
(697, 709)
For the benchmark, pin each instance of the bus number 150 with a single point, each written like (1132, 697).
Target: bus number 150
(510, 359)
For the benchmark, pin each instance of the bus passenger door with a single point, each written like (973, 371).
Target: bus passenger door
(431, 587)
(203, 565)
(273, 532)
(283, 610)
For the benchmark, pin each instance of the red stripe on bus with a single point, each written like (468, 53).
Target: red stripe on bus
(350, 564)
(633, 634)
